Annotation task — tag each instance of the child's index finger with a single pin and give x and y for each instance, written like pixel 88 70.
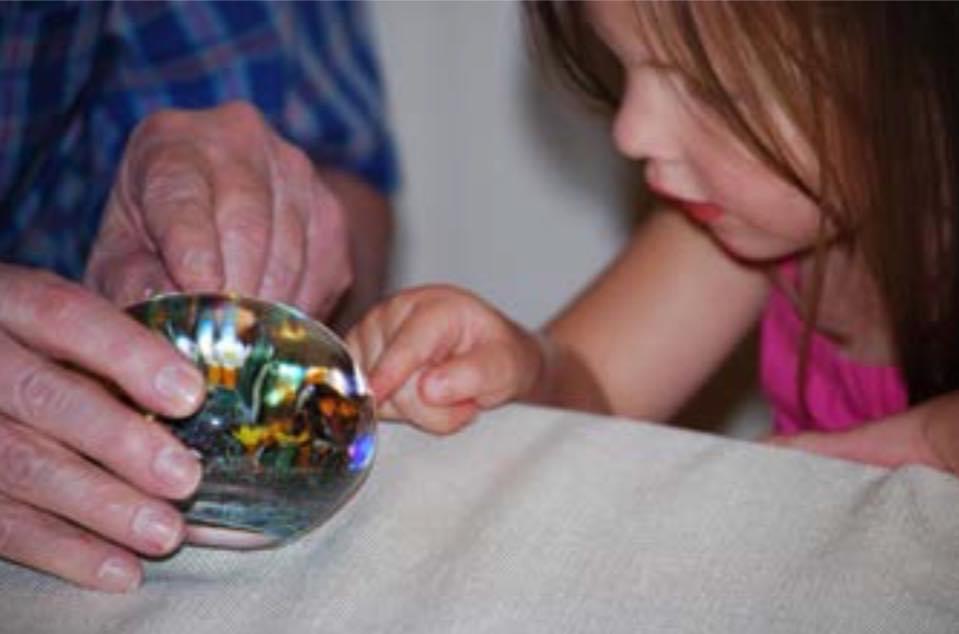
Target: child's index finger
pixel 419 342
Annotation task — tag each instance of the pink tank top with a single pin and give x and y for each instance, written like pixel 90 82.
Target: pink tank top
pixel 840 393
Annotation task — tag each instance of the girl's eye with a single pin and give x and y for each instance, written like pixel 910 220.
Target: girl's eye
pixel 712 97
pixel 684 84
pixel 698 90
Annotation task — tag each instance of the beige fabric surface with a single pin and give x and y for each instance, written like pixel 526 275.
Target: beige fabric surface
pixel 537 520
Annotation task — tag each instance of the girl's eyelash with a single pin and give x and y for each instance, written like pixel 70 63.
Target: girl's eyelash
pixel 690 85
pixel 708 95
pixel 698 90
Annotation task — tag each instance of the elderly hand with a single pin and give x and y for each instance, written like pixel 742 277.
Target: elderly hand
pixel 214 200
pixel 84 478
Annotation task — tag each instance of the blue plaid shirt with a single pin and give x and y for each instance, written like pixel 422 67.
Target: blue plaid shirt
pixel 75 78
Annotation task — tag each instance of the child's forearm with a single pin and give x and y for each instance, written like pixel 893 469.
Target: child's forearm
pixel 926 434
pixel 939 420
pixel 565 380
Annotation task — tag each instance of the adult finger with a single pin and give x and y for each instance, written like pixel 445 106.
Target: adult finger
pixel 131 277
pixel 42 473
pixel 244 218
pixel 79 412
pixel 47 543
pixel 286 259
pixel 70 323
pixel 121 265
pixel 328 272
pixel 291 173
pixel 172 186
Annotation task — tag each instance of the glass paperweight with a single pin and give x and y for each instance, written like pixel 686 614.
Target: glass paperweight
pixel 287 432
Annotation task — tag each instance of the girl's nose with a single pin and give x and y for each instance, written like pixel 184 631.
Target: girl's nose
pixel 646 122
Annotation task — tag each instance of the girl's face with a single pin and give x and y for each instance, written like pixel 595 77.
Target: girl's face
pixel 694 161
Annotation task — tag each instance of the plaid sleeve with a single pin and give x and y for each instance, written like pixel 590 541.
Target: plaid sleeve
pixel 308 66
pixel 76 77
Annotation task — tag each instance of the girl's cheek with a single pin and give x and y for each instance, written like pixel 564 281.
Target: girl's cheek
pixel 728 180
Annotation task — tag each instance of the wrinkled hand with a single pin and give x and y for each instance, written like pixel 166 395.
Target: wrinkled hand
pixel 436 355
pixel 83 477
pixel 214 200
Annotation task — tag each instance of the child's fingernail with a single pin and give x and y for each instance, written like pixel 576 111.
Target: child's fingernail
pixel 438 388
pixel 376 385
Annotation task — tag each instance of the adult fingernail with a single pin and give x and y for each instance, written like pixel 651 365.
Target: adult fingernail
pixel 158 528
pixel 182 385
pixel 118 575
pixel 201 270
pixel 178 467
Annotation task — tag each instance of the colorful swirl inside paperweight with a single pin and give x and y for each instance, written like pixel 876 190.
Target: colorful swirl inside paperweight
pixel 287 432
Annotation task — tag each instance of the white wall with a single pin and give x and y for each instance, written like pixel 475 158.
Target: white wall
pixel 510 188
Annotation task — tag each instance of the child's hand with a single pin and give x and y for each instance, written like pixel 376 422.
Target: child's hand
pixel 436 355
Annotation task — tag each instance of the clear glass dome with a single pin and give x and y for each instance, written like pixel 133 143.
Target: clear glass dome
pixel 287 432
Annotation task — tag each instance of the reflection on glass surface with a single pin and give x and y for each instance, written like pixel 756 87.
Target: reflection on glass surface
pixel 287 432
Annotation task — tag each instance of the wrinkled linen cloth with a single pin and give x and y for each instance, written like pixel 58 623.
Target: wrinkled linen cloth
pixel 539 520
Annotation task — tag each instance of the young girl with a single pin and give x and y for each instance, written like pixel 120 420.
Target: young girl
pixel 807 158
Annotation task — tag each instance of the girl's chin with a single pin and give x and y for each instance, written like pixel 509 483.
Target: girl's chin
pixel 757 251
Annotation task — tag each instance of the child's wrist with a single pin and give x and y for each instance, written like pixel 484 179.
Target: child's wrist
pixel 564 379
pixel 546 353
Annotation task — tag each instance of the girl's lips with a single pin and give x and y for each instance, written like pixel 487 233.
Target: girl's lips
pixel 699 211
pixel 703 212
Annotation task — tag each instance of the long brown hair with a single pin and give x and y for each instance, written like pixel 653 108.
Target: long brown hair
pixel 874 90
